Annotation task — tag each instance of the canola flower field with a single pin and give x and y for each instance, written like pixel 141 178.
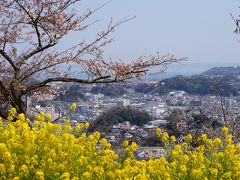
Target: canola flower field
pixel 52 151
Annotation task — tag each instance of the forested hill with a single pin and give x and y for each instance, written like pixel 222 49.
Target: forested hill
pixel 223 71
pixel 198 85
pixel 109 90
pixel 118 115
pixel 222 81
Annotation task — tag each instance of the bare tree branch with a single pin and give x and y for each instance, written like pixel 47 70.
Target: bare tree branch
pixel 64 79
pixel 9 59
pixel 236 21
pixel 38 50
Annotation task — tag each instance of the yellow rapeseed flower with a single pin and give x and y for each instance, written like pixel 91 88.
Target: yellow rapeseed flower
pixel 125 143
pixel 227 175
pixel 86 175
pixel 96 135
pixel 24 170
pixel 49 118
pixel 229 139
pixel 213 172
pixel 158 132
pixel 62 152
pixel 225 130
pixel 173 138
pixel 73 106
pixel 12 112
pixel 196 173
pixel 184 146
pixel 65 176
pixel 204 137
pixel 183 169
pixel 189 138
pixel 134 146
pixel 217 142
pixel 2 168
pixel 39 175
pixel 21 117
pixel 86 125
pixel 165 137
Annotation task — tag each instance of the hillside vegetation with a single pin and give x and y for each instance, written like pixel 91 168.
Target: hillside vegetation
pixel 195 85
pixel 109 90
pixel 119 115
pixel 223 71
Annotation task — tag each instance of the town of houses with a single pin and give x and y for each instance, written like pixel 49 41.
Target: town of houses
pixel 159 107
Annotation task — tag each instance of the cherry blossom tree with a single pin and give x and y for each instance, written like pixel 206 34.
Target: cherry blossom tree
pixel 30 31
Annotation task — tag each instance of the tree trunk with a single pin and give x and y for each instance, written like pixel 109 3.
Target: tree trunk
pixel 17 101
pixel 20 105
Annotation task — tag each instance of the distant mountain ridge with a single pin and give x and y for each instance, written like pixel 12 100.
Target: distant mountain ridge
pixel 223 71
pixel 194 85
pixel 223 81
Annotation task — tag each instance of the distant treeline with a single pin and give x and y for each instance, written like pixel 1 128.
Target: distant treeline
pixel 195 85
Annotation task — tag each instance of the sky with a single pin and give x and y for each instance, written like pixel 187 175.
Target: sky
pixel 201 30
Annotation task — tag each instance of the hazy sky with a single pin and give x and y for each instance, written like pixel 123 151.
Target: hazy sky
pixel 199 29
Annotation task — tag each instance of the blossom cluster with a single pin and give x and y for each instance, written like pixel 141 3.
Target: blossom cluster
pixel 46 150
